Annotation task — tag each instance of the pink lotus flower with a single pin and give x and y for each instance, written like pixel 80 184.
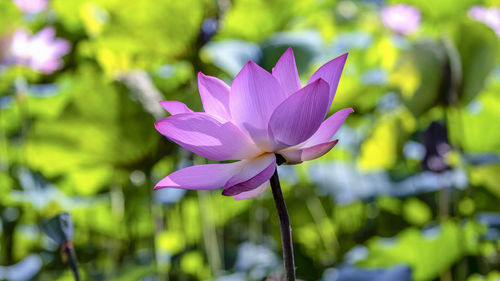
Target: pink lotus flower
pixel 41 52
pixel 31 6
pixel 488 16
pixel 260 115
pixel 403 19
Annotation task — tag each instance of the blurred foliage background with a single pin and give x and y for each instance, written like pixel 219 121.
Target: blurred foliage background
pixel 411 192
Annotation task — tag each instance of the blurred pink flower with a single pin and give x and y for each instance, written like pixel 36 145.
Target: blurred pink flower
pixel 489 16
pixel 260 115
pixel 403 19
pixel 41 52
pixel 31 6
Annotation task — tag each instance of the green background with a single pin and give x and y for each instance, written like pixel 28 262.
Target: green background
pixel 82 140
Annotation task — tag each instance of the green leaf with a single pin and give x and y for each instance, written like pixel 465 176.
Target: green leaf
pixel 256 20
pixel 382 148
pixel 416 212
pixel 476 127
pixel 100 129
pixel 418 76
pixel 487 176
pixel 478 47
pixel 452 241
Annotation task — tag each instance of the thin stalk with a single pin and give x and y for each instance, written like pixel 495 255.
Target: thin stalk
pixel 209 233
pixel 286 230
pixel 70 255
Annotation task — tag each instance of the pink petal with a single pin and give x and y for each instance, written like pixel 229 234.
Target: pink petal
pixel 200 177
pixel 255 94
pixel 292 156
pixel 60 47
pixel 46 67
pixel 299 155
pixel 31 6
pixel 252 193
pixel 175 107
pixel 286 73
pixel 330 72
pixel 300 115
pixel 46 34
pixel 214 96
pixel 328 128
pixel 251 176
pixel 317 151
pixel 206 136
pixel 251 168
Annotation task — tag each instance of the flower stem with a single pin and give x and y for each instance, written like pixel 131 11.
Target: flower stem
pixel 69 251
pixel 286 230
